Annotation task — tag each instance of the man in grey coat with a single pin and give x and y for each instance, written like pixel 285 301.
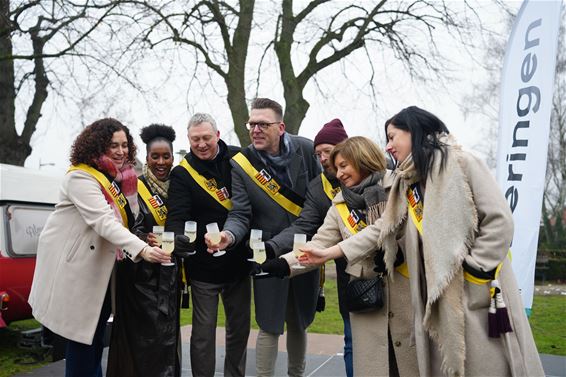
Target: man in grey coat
pixel 320 193
pixel 269 182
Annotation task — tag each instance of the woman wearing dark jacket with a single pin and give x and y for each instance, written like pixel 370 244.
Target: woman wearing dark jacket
pixel 147 316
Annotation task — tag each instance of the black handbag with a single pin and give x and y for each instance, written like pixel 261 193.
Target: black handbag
pixel 365 295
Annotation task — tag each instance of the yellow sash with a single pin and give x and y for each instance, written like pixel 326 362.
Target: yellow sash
pixel 209 185
pixel 415 202
pixel 327 187
pixel 153 203
pixel 110 187
pixel 270 186
pixel 352 221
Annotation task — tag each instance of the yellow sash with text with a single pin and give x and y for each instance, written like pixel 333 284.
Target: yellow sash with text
pixel 221 195
pixel 154 203
pixel 268 184
pixel 330 191
pixel 111 188
pixel 415 203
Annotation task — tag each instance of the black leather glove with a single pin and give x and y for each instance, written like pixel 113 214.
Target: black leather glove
pixel 379 262
pixel 276 267
pixel 321 301
pixel 183 247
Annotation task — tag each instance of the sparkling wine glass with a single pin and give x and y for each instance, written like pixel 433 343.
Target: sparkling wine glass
pixel 191 233
pixel 158 231
pixel 215 237
pixel 299 241
pixel 255 237
pixel 168 245
pixel 260 255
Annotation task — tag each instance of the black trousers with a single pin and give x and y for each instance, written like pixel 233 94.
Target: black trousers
pixel 83 360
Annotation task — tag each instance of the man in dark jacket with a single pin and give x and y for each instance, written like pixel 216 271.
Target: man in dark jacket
pixel 321 191
pixel 269 183
pixel 200 190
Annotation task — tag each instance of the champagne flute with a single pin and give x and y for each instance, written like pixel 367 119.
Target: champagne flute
pixel 260 255
pixel 299 241
pixel 168 245
pixel 255 237
pixel 158 231
pixel 191 233
pixel 215 238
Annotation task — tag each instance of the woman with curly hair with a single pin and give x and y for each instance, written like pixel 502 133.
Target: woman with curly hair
pixel 83 238
pixel 147 295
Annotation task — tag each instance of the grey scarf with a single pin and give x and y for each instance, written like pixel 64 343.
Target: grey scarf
pixel 279 164
pixel 367 195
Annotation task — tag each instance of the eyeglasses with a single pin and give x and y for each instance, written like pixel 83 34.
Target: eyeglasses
pixel 262 125
pixel 322 153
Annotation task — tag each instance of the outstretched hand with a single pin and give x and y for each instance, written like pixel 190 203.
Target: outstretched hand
pixel 213 247
pixel 183 246
pixel 319 256
pixel 155 255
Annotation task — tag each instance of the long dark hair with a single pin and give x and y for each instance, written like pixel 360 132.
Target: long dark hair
pixel 425 128
pixel 95 139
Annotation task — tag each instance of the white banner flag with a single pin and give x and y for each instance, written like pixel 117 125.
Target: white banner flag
pixel 527 83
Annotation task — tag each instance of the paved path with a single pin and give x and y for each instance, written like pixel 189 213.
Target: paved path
pixel 324 358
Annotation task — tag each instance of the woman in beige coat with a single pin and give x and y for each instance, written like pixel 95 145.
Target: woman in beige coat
pixel 83 238
pixel 360 167
pixel 454 229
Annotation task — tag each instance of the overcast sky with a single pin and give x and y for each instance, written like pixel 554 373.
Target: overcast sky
pixel 170 102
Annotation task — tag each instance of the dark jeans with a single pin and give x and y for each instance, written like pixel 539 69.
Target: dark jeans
pixel 348 357
pixel 83 360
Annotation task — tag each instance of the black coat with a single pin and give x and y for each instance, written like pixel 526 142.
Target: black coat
pixel 147 314
pixel 311 218
pixel 188 201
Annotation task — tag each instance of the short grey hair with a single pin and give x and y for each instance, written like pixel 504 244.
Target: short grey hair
pixel 199 118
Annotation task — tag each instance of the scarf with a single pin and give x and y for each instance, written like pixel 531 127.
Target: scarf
pixel 157 186
pixel 449 222
pixel 279 164
pixel 128 180
pixel 367 195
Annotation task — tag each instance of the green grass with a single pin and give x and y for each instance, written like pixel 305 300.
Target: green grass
pixel 547 323
pixel 14 360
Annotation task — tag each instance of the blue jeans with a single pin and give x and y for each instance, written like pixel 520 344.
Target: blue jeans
pixel 348 358
pixel 82 359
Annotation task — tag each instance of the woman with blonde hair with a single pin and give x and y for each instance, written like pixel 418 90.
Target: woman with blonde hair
pixel 447 218
pixel 361 168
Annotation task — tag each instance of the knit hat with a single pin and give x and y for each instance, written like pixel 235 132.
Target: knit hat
pixel 331 133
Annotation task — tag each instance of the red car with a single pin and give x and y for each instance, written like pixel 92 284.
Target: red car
pixel 27 197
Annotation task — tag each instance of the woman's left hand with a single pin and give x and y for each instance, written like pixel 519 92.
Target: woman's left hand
pixel 319 256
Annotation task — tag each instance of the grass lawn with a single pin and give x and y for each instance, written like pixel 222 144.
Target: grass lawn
pixel 547 323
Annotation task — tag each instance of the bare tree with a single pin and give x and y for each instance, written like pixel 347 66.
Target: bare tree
pixel 321 34
pixel 51 30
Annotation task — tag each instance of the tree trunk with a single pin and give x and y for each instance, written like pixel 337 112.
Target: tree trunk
pixel 10 152
pixel 14 148
pixel 296 106
pixel 236 76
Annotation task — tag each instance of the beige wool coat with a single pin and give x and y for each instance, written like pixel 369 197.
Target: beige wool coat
pixel 369 330
pixel 465 218
pixel 75 258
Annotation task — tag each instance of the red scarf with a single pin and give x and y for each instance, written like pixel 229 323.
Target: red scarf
pixel 128 180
